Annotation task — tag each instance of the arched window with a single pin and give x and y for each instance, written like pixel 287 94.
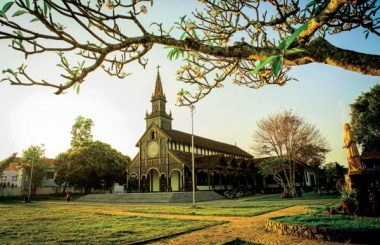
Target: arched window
pixel 153 135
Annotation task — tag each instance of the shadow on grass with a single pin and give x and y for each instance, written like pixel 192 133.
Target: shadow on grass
pixel 305 196
pixel 238 241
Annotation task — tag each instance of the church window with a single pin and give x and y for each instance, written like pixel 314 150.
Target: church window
pixel 187 148
pixel 155 108
pixel 153 135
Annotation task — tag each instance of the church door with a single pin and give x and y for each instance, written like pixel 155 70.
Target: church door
pixel 162 182
pixel 175 180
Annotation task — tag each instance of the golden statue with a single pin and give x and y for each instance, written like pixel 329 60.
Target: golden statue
pixel 352 153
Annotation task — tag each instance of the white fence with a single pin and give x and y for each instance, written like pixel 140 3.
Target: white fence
pixel 20 191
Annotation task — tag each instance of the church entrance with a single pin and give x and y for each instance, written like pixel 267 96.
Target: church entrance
pixel 175 180
pixel 154 180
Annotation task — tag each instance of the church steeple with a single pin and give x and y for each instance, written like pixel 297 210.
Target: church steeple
pixel 158 91
pixel 158 114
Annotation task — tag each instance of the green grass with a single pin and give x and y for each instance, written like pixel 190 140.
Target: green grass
pixel 247 211
pixel 60 223
pixel 333 221
pixel 305 196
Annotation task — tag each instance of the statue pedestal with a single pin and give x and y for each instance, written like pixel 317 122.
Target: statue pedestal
pixel 368 195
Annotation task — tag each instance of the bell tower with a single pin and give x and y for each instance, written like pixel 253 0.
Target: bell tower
pixel 158 115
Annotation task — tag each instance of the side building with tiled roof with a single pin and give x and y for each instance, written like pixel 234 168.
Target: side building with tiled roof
pixel 164 160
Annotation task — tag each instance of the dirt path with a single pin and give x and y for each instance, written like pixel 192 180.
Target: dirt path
pixel 248 229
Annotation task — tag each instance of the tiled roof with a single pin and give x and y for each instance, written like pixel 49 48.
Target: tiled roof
pixel 207 143
pixel 202 161
pixel 49 161
pixel 370 154
pixel 210 162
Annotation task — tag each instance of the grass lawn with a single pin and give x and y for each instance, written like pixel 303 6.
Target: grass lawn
pixel 307 196
pixel 314 216
pixel 59 223
pixel 232 210
pixel 334 221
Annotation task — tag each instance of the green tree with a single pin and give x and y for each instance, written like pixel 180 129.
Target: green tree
pixel 81 132
pixel 331 174
pixel 365 118
pixel 61 169
pixel 6 162
pixel 222 38
pixel 96 165
pixel 34 157
pixel 286 139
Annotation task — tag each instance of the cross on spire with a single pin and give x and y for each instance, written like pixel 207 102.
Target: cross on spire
pixel 158 68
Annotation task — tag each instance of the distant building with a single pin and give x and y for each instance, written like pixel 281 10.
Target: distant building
pixel 10 176
pixel 371 163
pixel 13 175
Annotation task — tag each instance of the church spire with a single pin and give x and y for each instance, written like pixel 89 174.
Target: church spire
pixel 158 91
pixel 158 115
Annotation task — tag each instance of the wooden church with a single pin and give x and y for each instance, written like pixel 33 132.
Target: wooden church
pixel 164 160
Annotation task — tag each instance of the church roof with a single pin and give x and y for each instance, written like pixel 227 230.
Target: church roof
pixel 158 93
pixel 370 154
pixel 202 161
pixel 207 143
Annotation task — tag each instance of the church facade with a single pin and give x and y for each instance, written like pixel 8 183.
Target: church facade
pixel 164 160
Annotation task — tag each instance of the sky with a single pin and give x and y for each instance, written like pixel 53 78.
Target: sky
pixel 35 115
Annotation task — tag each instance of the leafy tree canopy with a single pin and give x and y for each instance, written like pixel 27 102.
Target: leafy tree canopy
pixel 331 175
pixel 365 118
pixel 96 165
pixel 287 139
pixel 222 38
pixel 81 132
pixel 6 162
pixel 34 158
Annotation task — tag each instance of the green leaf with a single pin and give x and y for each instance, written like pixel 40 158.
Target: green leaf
pixel 78 89
pixel 170 54
pixel 153 23
pixel 183 18
pixel 311 4
pixel 28 3
pixel 295 35
pixel 19 12
pixel 277 65
pixel 45 8
pixel 296 51
pixel 183 36
pixel 35 19
pixel 7 6
pixel 264 63
pixel 3 79
pixel 170 29
pixel 3 15
pixel 282 44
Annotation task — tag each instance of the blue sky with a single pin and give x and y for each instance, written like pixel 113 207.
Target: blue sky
pixel 34 115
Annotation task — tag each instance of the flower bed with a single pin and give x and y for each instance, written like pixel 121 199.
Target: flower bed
pixel 324 233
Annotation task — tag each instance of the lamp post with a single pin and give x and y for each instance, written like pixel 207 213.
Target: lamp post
pixel 192 108
pixel 31 176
